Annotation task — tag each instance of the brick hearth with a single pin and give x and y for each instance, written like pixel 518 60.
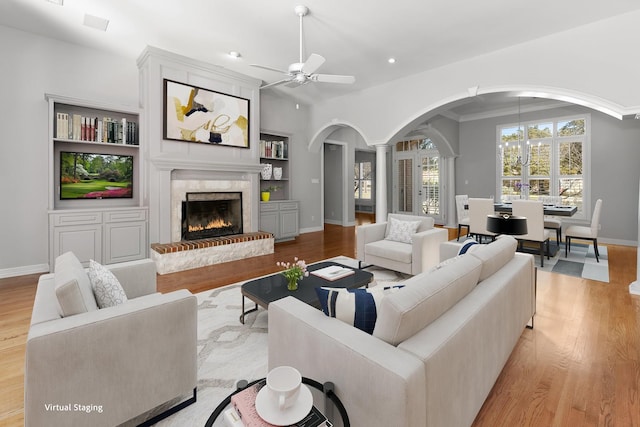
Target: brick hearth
pixel 184 255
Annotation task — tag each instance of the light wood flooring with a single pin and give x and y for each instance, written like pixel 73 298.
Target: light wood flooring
pixel 579 366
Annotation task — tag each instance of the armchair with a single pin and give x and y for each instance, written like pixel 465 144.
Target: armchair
pixel 103 367
pixel 419 249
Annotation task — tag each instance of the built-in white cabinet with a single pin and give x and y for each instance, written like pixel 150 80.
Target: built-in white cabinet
pixel 280 218
pixel 95 165
pixel 106 236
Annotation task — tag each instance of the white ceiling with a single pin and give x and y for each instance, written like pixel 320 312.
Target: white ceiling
pixel 355 36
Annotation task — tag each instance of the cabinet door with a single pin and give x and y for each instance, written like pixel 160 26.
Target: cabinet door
pixel 125 241
pixel 269 223
pixel 85 241
pixel 288 223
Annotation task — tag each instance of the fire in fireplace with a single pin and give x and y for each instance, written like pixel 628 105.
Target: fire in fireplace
pixel 211 214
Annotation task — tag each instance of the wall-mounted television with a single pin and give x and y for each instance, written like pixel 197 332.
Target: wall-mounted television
pixel 95 176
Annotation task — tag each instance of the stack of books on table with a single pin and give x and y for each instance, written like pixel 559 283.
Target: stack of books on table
pixel 242 412
pixel 333 272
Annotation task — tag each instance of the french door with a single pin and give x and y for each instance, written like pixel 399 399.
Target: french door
pixel 418 183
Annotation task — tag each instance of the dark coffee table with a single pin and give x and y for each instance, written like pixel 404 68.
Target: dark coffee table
pixel 267 289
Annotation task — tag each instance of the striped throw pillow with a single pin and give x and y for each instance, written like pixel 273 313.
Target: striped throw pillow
pixel 357 307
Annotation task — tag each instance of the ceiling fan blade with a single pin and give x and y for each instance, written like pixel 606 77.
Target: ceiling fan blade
pixel 269 68
pixel 333 78
pixel 295 83
pixel 279 82
pixel 313 63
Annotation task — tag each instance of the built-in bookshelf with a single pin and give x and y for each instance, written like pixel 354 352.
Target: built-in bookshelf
pixel 95 164
pixel 274 151
pixel 92 128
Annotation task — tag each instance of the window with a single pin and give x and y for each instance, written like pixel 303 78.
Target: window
pixel 546 165
pixel 363 184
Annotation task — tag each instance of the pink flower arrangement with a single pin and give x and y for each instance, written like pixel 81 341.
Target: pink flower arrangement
pixel 293 272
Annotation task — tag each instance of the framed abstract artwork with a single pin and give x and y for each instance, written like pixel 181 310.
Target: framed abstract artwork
pixel 194 114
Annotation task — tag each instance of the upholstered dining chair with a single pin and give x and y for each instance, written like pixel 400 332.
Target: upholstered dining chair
pixel 533 210
pixel 585 233
pixel 462 200
pixel 552 222
pixel 479 209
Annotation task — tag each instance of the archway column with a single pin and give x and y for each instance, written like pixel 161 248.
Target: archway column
pixel 452 211
pixel 381 182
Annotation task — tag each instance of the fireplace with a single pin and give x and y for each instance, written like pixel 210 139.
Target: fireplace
pixel 211 214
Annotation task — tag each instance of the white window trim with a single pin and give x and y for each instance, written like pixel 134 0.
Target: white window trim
pixel 584 214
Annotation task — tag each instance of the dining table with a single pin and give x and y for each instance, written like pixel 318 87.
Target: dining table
pixel 549 209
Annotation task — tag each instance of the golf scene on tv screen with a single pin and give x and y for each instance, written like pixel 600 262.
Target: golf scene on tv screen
pixel 95 176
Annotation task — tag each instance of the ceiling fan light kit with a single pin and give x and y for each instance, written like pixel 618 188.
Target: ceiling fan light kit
pixel 302 72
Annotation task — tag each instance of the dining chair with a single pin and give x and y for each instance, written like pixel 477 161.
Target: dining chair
pixel 479 209
pixel 585 233
pixel 553 222
pixel 533 210
pixel 462 202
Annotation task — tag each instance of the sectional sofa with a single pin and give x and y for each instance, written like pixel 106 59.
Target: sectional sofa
pixel 438 344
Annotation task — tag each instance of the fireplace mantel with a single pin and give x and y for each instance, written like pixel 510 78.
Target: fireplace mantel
pixel 166 163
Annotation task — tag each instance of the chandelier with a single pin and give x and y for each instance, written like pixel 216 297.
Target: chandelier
pixel 522 156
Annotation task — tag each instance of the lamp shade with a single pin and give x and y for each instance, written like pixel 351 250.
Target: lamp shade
pixel 507 224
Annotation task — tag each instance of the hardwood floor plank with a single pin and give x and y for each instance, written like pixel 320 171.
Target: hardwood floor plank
pixel 579 366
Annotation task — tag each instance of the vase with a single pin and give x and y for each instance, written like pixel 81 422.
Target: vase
pixel 266 170
pixel 277 173
pixel 265 196
pixel 292 284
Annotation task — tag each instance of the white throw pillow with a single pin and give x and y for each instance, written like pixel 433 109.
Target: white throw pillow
pixel 401 231
pixel 106 287
pixel 357 307
pixel 72 286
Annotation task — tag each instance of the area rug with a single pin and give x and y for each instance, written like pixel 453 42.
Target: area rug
pixel 229 351
pixel 580 262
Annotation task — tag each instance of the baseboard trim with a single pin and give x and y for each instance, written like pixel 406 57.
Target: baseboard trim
pixel 311 230
pixel 23 271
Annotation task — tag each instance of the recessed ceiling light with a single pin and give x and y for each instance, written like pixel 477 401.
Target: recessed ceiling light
pixel 391 60
pixel 95 22
pixel 58 2
pixel 234 54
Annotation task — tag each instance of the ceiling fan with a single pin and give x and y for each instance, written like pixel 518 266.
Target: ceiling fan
pixel 300 73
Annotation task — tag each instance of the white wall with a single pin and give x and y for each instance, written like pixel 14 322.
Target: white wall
pixel 30 67
pixel 595 62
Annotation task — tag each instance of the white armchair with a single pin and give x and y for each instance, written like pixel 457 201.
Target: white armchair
pixel 103 367
pixel 411 250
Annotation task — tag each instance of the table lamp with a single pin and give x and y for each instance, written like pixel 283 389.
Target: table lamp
pixel 507 224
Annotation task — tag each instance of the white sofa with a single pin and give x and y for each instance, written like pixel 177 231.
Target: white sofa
pixel 103 367
pixel 438 345
pixel 375 246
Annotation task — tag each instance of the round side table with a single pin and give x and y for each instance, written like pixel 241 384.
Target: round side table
pixel 327 390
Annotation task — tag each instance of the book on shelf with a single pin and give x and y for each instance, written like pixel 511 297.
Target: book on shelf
pixel 76 127
pixel 244 403
pixel 273 149
pixel 333 272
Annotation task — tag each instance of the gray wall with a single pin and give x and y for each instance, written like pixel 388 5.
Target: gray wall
pixel 32 66
pixel 615 158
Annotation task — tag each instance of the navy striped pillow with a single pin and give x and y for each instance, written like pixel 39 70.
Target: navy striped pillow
pixel 466 245
pixel 357 307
